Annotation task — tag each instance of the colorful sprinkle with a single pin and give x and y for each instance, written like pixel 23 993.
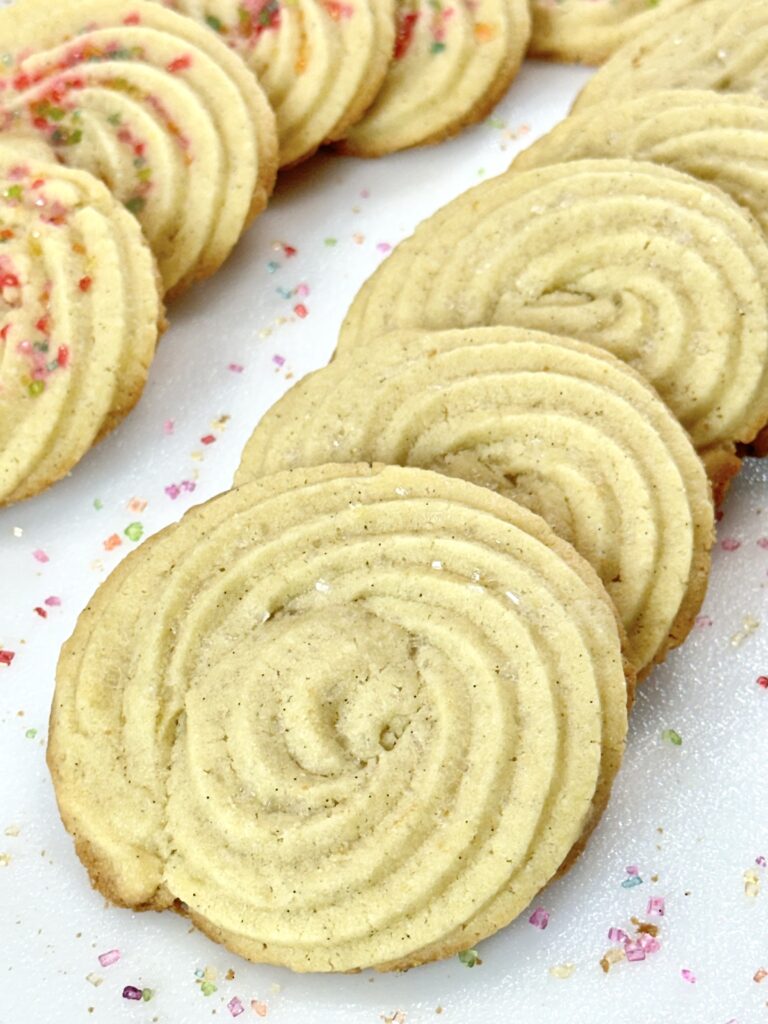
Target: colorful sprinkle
pixel 40 556
pixel 6 657
pixel 109 958
pixel 235 1007
pixel 655 906
pixel 470 958
pixel 131 992
pixel 134 531
pixel 539 918
pixel 688 976
pixel 673 737
pixel 259 1008
pixel 112 542
pixel 52 601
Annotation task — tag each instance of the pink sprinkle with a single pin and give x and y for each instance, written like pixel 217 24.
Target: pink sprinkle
pixel 762 542
pixel 302 290
pixel 634 952
pixel 236 367
pixel 617 935
pixel 730 544
pixel 365 194
pixel 278 360
pixel 40 555
pixel 259 1008
pixel 688 976
pixel 109 958
pixel 52 602
pixel 172 491
pixel 649 943
pixel 131 992
pixel 169 426
pixel 633 869
pixel 539 918
pixel 383 246
pixel 656 906
pixel 703 620
pixel 760 861
pixel 235 1007
pixel 301 310
pixel 6 657
pixel 188 485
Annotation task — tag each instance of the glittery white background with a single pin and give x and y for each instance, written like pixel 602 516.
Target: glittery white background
pixel 692 819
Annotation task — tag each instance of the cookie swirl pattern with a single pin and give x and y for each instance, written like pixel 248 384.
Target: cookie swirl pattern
pixel 372 711
pixel 320 62
pixel 154 105
pixel 79 318
pixel 665 272
pixel 560 427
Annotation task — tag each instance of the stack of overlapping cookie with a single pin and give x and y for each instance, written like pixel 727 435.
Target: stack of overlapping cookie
pixel 186 115
pixel 381 691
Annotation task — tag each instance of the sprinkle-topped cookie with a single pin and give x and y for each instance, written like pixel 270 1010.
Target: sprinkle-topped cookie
pixel 372 712
pixel 79 318
pixel 453 62
pixel 320 62
pixel 589 31
pixel 156 107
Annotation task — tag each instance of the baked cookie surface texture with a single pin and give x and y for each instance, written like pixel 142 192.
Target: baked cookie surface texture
pixel 588 31
pixel 156 107
pixel 320 62
pixel 452 63
pixel 713 44
pixel 666 272
pixel 560 427
pixel 364 718
pixel 80 314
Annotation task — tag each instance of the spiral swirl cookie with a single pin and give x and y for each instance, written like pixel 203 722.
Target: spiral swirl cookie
pixel 722 139
pixel 320 62
pixel 589 31
pixel 665 272
pixel 154 105
pixel 713 44
pixel 563 428
pixel 79 318
pixel 452 63
pixel 370 712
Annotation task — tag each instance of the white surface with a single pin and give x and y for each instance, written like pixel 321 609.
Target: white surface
pixel 709 796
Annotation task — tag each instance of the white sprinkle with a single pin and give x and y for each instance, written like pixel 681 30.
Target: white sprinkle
pixel 401 491
pixel 476 576
pixel 94 979
pixel 262 617
pixel 437 564
pixel 322 586
pixel 512 597
pixel 18 532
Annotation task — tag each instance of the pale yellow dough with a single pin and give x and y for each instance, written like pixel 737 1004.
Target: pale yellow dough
pixel 320 62
pixel 589 31
pixel 664 271
pixel 453 62
pixel 713 44
pixel 563 428
pixel 154 105
pixel 80 313
pixel 347 716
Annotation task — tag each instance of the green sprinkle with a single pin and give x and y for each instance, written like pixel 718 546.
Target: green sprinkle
pixel 136 204
pixel 437 47
pixel 36 387
pixel 14 192
pixel 146 994
pixel 470 958
pixel 31 733
pixel 115 119
pixel 134 531
pixel 144 174
pixel 214 22
pixel 330 242
pixel 98 504
pixel 631 882
pixel 207 988
pixel 670 736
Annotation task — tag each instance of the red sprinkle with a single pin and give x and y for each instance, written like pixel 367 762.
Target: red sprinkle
pixel 42 325
pixel 208 439
pixel 9 281
pixel 84 284
pixel 132 19
pixel 41 612
pixel 289 250
pixel 404 35
pixel 301 310
pixel 4 332
pixel 730 544
pixel 762 682
pixel 62 357
pixel 180 64
pixel 6 657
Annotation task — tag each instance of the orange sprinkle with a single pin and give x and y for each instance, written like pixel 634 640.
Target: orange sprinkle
pixel 484 32
pixel 112 542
